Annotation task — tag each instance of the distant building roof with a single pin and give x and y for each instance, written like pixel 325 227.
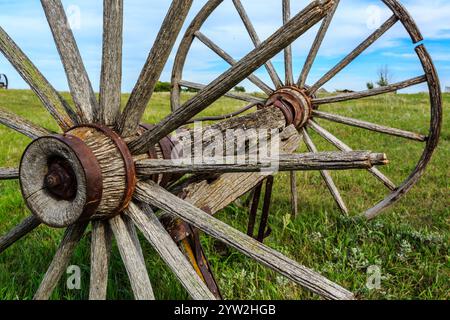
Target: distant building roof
pixel 447 89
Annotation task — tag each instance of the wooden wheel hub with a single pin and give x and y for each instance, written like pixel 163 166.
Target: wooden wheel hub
pixel 86 173
pixel 294 103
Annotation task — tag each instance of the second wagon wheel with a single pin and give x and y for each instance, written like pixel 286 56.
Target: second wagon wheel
pixel 284 92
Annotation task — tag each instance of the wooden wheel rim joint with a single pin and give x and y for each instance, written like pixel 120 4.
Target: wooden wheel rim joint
pixel 78 168
pixel 294 103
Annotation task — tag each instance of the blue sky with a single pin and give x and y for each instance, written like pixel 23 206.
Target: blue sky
pixel 355 19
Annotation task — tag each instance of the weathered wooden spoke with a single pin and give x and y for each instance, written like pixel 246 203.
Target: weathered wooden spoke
pixel 18 232
pixel 21 125
pixel 111 75
pixel 256 41
pixel 289 74
pixel 316 46
pixel 342 146
pixel 51 99
pixel 100 255
pixel 240 96
pixel 9 173
pixel 79 83
pixel 354 54
pixel 295 162
pixel 157 196
pixel 143 216
pixel 326 175
pixel 370 93
pixel 132 257
pixel 370 126
pixel 225 56
pixel 284 36
pixel 61 260
pixel 150 74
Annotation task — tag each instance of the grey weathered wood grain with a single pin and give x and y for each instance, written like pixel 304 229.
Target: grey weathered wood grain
pixel 284 162
pixel 256 41
pixel 326 176
pixel 316 46
pixel 150 74
pixel 237 96
pixel 9 173
pixel 289 74
pixel 111 74
pixel 144 218
pixel 370 93
pixel 155 195
pixel 58 108
pixel 369 126
pixel 18 232
pixel 434 88
pixel 354 54
pixel 79 83
pixel 21 125
pixel 217 193
pixel 224 83
pixel 132 258
pixel 225 56
pixel 100 256
pixel 60 261
pixel 342 146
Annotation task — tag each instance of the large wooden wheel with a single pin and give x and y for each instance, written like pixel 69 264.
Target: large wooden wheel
pixel 100 170
pixel 283 89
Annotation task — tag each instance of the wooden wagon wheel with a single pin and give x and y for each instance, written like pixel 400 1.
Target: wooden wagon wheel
pixel 97 171
pixel 284 90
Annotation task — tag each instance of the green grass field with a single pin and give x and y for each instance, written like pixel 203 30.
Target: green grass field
pixel 409 242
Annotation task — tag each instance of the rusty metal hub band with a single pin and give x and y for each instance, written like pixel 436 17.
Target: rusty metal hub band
pixel 294 103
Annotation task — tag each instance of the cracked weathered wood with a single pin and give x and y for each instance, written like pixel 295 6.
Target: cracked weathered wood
pixel 21 125
pixel 316 46
pixel 131 117
pixel 284 36
pixel 237 96
pixel 256 41
pixel 294 193
pixel 225 56
pixel 370 126
pixel 111 74
pixel 144 218
pixel 370 93
pixel 284 162
pixel 100 256
pixel 18 232
pixel 215 193
pixel 60 261
pixel 343 147
pixel 58 108
pixel 9 173
pixel 399 10
pixel 354 54
pixel 132 258
pixel 159 197
pixel 326 175
pixel 79 83
pixel 289 74
pixel 434 88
